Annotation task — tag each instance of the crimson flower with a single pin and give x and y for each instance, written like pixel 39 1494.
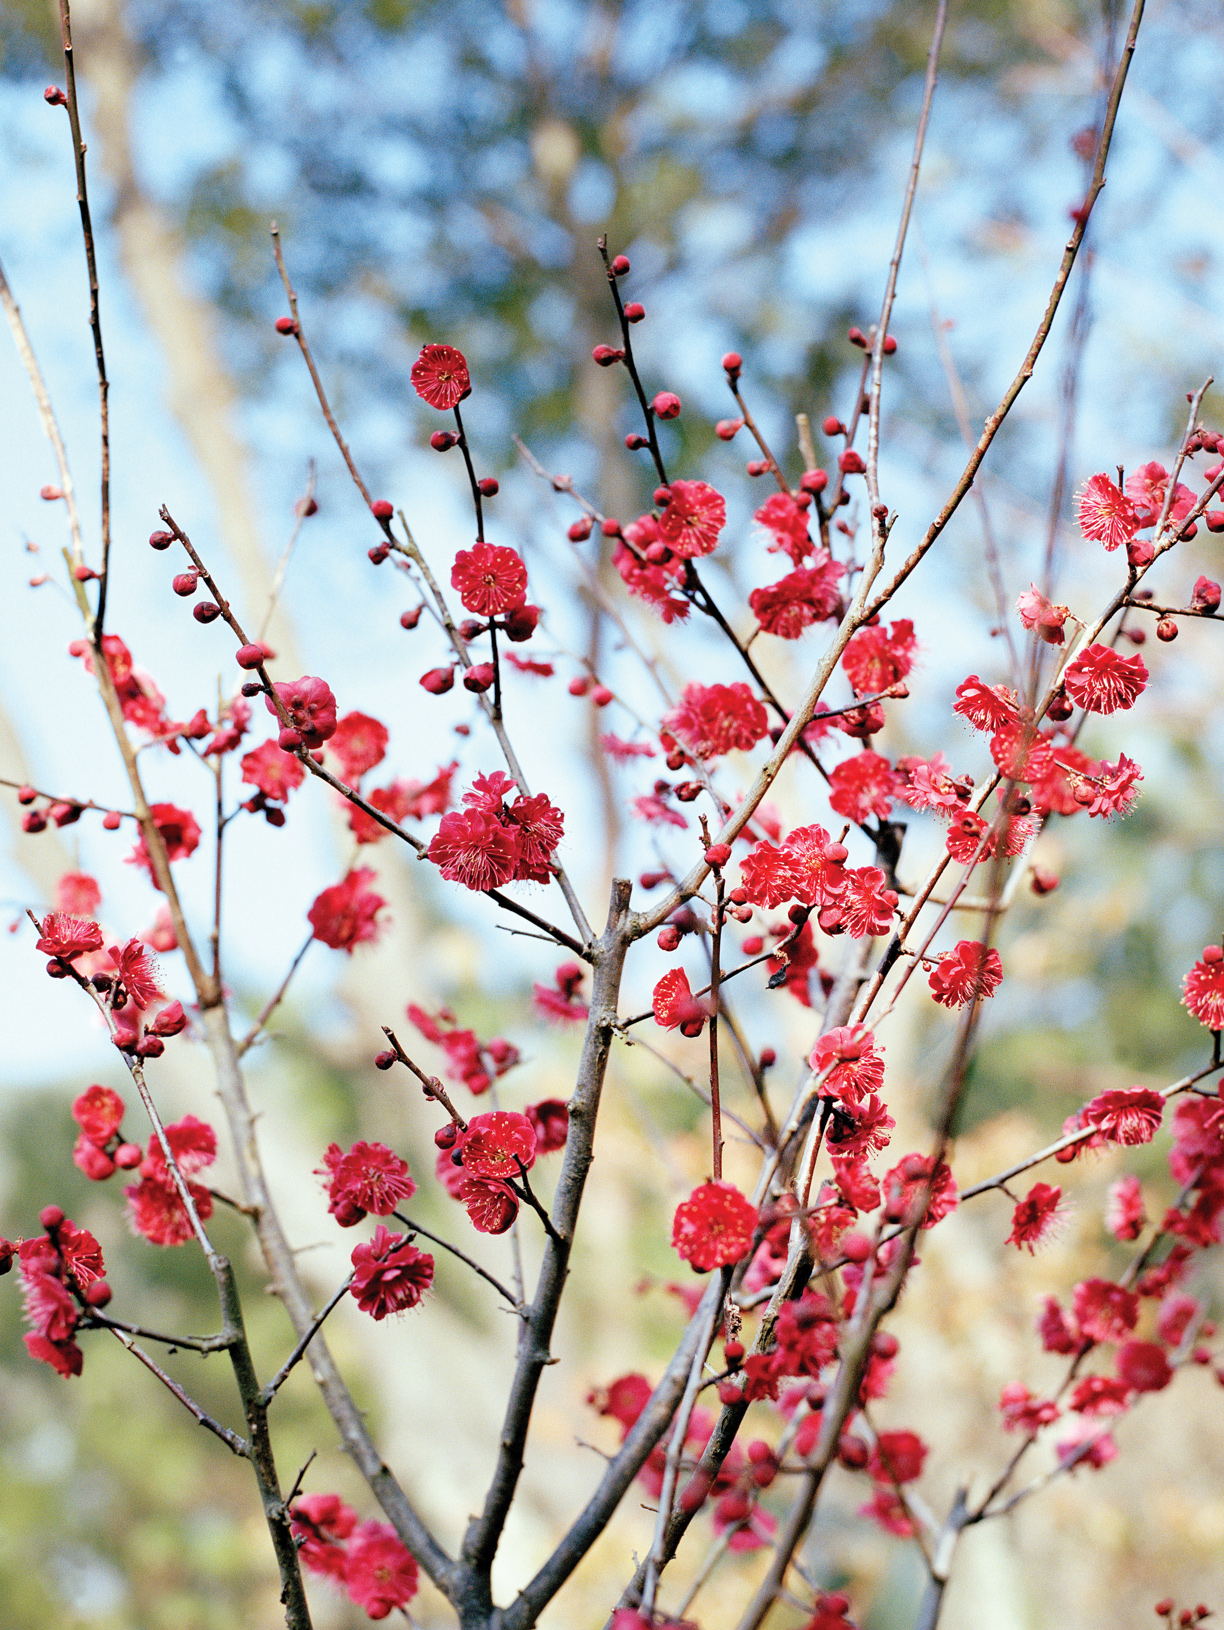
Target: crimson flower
pixel 370 1177
pixel 380 1572
pixel 1040 614
pixel 389 1274
pixel 67 937
pixel 496 1145
pixel 473 848
pixel 1105 1311
pixel 359 742
pixel 1143 1366
pixel 767 877
pixel 652 584
pixel 78 894
pixel 550 1122
pixel 986 707
pixel 137 971
pixel 560 1001
pixel 713 1228
pixel 1036 1218
pixel 1114 788
pixel 863 785
pixel 538 826
pixel 787 521
pixel 714 719
pixel 345 914
pixel 912 1179
pixel 875 659
pixel 858 1068
pixel 1021 752
pixel 1022 1412
pixel 1148 486
pixel 885 1508
pixel 1102 681
pixel 320 1522
pixel 490 579
pixel 1056 1329
pixel 803 597
pixel 866 903
pixel 1126 1117
pixel 861 1128
pixel 309 706
pixel 491 1205
pixel 816 867
pixel 968 971
pixel 98 1111
pixel 156 1210
pixel 1100 1395
pixel 694 516
pixel 675 1005
pixel 1124 1212
pixel 897 1457
pixel 1203 988
pixel 1106 514
pixel 440 376
pixel 275 773
pixel 928 785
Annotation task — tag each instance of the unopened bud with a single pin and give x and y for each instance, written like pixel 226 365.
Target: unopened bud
pixel 813 481
pixel 580 530
pixel 488 486
pixel 732 363
pixel 635 442
pixel 601 696
pixel 606 355
pixel 1166 629
pixel 634 312
pixel 1043 882
pixel 857 337
pixel 384 1060
pixel 206 611
pixel 757 466
pixel 728 429
pixel 668 938
pixel 438 680
pixel 718 854
pixel 579 685
pixel 666 405
pixel 185 583
pixel 160 540
pixel 1206 596
pixel 850 462
pixel 620 265
pixel 443 440
pixel 98 1294
pixel 112 820
pixel 479 677
pixel 286 326
pixel 288 741
pixel 890 345
pixel 382 509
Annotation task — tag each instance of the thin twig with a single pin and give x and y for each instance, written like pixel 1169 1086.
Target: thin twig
pixel 278 1380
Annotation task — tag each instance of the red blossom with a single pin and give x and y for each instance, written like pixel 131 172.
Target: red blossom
pixel 910 1184
pixel 928 786
pixel 1100 1395
pixel 389 1274
pixel 67 937
pixel 309 706
pixel 491 1205
pixel 380 1572
pixel 1124 1213
pixel 275 773
pixel 498 1145
pixel 625 751
pixel 1106 514
pixel 98 1112
pixel 674 1004
pixel 156 1210
pixel 1102 681
pixel 875 659
pixel 715 719
pixel 897 1457
pixel 1148 487
pixel 787 521
pixel 863 785
pixel 987 707
pixel 1114 787
pixel 653 584
pixel 1021 752
pixel 538 826
pixel 1035 1218
pixel 550 1123
pixel 816 867
pixel 1022 1412
pixel 1105 1311
pixel 867 904
pixel 1176 1312
pixel 860 1128
pixel 560 1002
pixel 1126 1117
pixel 694 516
pixel 319 1522
pixel 78 894
pixel 858 1068
pixel 1142 1365
pixel 767 876
pixel 474 849
pixel 885 1508
pixel 137 970
pixel 1036 612
pixel 1056 1329
pixel 359 742
pixel 440 376
pixel 713 1228
pixel 968 971
pixel 231 728
pixel 1203 989
pixel 490 578
pixel 370 1177
pixel 803 597
pixel 346 914
pixel 140 701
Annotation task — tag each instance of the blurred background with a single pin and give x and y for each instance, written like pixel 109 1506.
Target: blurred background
pixel 441 173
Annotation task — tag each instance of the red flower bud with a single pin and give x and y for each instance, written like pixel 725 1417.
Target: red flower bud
pixel 620 265
pixel 579 685
pixel 445 1136
pixel 378 554
pixel 382 509
pixel 479 677
pixel 601 696
pixel 98 1294
pixel 634 312
pixel 1215 520
pixel 611 528
pixel 1043 882
pixel 305 507
pixel 1166 629
pixel 661 497
pixel 286 325
pixel 55 97
pixel 521 623
pixel 409 619
pixel 768 1057
pixel 1206 596
pixel 288 741
pixel 249 656
pixel 185 583
pixel 890 345
pixel 833 426
pixel 112 820
pixel 34 821
pixel 732 363
pixel 606 355
pixel 666 405
pixel 438 680
pixel 718 854
pixel 160 540
pixel 852 1451
pixel 206 611
pixel 1140 552
pixel 50 1217
pixel 813 481
pixel 580 530
pixel 850 462
pixel 488 486
pixel 857 337
pixel 757 466
pixel 856 1247
pixel 443 440
pixel 668 938
pixel 728 429
pixel 635 442
pixel 26 795
pixel 128 1156
pixel 384 1060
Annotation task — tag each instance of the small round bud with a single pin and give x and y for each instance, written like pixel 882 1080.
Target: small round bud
pixel 443 440
pixel 856 1247
pixel 850 462
pixel 251 687
pixel 728 429
pixel 149 1047
pixel 753 946
pixel 34 821
pixel 249 656
pixel 757 466
pixel 438 680
pixel 1140 552
pixel 445 1136
pixel 128 1156
pixel 274 815
pixel 580 531
pixel 112 820
pixel 1137 636
pixel 798 914
pixel 833 426
pixel 813 481
pixel 611 528
pixel 687 791
pixel 668 938
pixel 50 494
pixel 601 696
pixel 470 627
pixel 50 1217
pixel 378 554
pixel 579 685
pixel 26 795
pixel 479 677
pixel 1215 520
pixel 732 363
pixel 185 583
pixel 65 814
pixel 884 1344
pixel 768 1056
pixel 55 97
pixel 857 337
pixel 384 1060
pixel 661 497
pixel 718 854
pixel 657 553
pixel 1164 1605
pixel 306 507
pixel 409 619
pixel 889 347
pixel 1043 882
pixel 382 509
pixel 84 574
pixel 677 759
pixel 288 741
pixel 488 486
pixel 634 312
pixel 206 612
pixel 635 442
pixel 286 326
pixel 733 1354
pixel 852 1451
pixel 1206 596
pixel 1061 707
pixel 160 540
pixel 57 969
pixel 98 1294
pixel 521 623
pixel 606 355
pixel 666 405
pixel 620 265
pixel 1166 629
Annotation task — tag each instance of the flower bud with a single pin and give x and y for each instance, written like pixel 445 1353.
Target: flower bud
pixel 728 429
pixel 757 466
pixel 305 507
pixel 128 1156
pixel 206 612
pixel 249 656
pixel 857 337
pixel 26 795
pixel 98 1294
pixel 438 680
pixel 160 540
pixel 1043 882
pixel 634 312
pixel 832 426
pixel 1206 596
pixel 1061 707
pixel 606 355
pixel 687 791
pixel 488 486
pixel 732 363
pixel 601 696
pixel 55 97
pixel 1140 552
pixel 112 820
pixel 620 265
pixel 1215 520
pixel 445 1136
pixel 1137 636
pixel 443 440
pixel 1166 629
pixel 635 442
pixel 288 741
pixel 668 937
pixel 579 685
pixel 409 619
pixel 470 628
pixel 890 345
pixel 850 462
pixel 378 554
pixel 666 405
pixel 813 481
pixel 149 1047
pixel 65 814
pixel 521 623
pixel 251 687
pixel 34 821
pixel 733 1354
pixel 185 583
pixel 856 1247
pixel 479 677
pixel 611 527
pixel 852 1451
pixel 384 1060
pixel 677 760
pixel 580 530
pixel 382 510
pixel 50 1217
pixel 718 854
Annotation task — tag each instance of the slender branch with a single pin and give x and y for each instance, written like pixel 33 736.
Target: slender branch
pixel 463 1257
pixel 219 1343
pixel 268 1392
pixel 231 1440
pixel 274 1001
